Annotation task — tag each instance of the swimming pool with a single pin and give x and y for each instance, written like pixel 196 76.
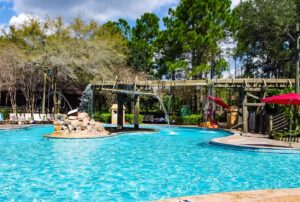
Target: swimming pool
pixel 134 167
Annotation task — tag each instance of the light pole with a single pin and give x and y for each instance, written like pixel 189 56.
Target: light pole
pixel 286 46
pixel 297 60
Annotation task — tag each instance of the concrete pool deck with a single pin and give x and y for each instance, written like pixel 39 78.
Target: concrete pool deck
pixel 271 195
pixel 254 141
pixel 14 126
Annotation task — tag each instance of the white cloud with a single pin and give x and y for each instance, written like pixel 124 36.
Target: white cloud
pixel 234 3
pixel 21 19
pixel 101 10
pixel 2 29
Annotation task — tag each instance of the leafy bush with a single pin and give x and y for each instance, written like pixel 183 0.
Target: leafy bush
pixel 285 133
pixel 104 118
pixel 5 113
pixel 130 118
pixel 193 119
pixel 176 120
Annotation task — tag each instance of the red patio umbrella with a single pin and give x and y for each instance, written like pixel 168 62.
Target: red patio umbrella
pixel 285 99
pixel 218 101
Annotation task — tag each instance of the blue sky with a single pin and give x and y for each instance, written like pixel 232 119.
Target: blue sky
pixel 100 10
pixel 17 11
pixel 6 12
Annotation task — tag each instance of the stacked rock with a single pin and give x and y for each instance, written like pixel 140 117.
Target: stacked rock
pixel 79 123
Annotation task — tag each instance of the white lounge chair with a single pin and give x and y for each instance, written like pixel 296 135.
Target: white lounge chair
pixel 21 118
pixel 45 118
pixel 28 118
pixel 37 118
pixel 13 118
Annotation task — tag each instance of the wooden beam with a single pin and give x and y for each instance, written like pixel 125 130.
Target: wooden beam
pixel 127 92
pixel 254 104
pixel 251 95
pixel 249 83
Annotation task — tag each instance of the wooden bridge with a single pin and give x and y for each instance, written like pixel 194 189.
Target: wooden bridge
pixel 248 86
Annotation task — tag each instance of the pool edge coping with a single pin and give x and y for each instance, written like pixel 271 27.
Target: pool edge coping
pixel 266 195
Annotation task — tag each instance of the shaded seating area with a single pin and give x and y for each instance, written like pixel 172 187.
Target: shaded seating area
pixel 148 119
pixel 153 119
pixel 27 118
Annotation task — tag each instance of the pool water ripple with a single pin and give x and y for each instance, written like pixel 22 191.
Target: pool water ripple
pixel 133 167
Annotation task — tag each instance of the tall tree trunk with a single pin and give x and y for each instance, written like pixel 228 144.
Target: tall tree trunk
pixel 54 96
pixel 13 99
pixel 32 104
pixel 44 92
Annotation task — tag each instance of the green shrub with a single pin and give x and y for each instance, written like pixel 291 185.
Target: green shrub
pixel 130 118
pixel 5 113
pixel 193 119
pixel 176 120
pixel 104 118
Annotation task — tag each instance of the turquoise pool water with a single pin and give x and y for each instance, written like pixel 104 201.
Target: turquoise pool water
pixel 134 167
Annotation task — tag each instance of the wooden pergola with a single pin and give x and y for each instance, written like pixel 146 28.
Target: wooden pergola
pixel 248 87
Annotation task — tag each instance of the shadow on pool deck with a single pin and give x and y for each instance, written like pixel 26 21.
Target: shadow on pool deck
pixel 254 141
pixel 268 145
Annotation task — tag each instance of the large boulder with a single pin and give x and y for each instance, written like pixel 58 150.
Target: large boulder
pixel 70 127
pixel 85 123
pixel 57 123
pixel 89 128
pixel 75 123
pixel 80 123
pixel 92 122
pixel 67 122
pixel 99 127
pixel 82 115
pixel 72 118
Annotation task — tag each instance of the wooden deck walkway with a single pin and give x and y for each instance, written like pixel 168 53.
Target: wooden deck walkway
pixel 249 84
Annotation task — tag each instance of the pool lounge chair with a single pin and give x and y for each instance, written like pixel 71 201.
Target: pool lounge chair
pixel 13 118
pixel 28 118
pixel 46 118
pixel 160 120
pixel 37 119
pixel 21 118
pixel 148 119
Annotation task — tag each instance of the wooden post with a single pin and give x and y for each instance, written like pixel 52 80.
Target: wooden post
pixel 120 121
pixel 245 114
pixel 270 124
pixel 136 111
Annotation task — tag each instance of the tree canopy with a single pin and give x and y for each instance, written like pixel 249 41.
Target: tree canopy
pixel 193 32
pixel 262 28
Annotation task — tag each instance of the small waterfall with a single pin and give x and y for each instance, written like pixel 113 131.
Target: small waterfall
pixel 164 109
pixel 86 99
